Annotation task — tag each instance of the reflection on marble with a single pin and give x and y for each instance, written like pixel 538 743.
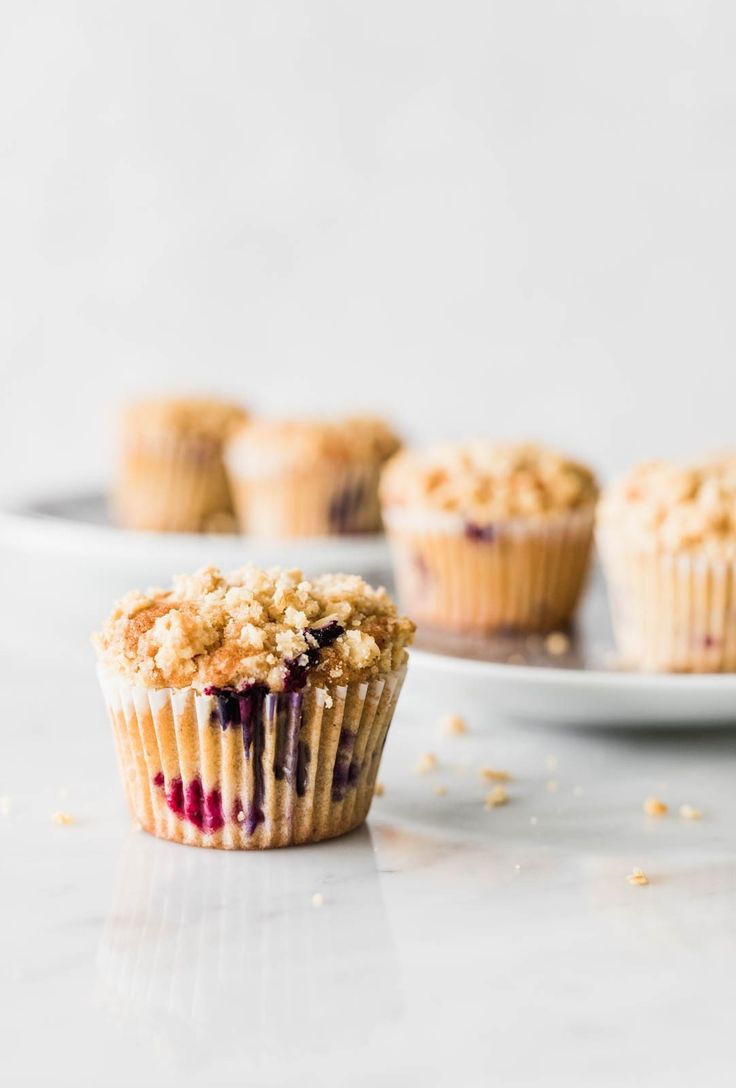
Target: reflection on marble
pixel 229 949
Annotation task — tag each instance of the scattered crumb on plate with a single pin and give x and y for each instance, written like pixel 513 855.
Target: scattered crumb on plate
pixel 497 796
pixel 637 877
pixel 427 763
pixel 654 807
pixel 489 774
pixel 62 819
pixel 690 812
pixel 557 643
pixel 454 725
pixel 318 899
pixel 441 791
pixel 379 789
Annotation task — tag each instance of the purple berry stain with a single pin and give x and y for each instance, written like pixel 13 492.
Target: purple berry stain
pixel 481 534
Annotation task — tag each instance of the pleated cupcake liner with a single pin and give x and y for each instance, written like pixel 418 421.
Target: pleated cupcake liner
pixel 172 484
pixel 519 575
pixel 671 612
pixel 252 770
pixel 324 502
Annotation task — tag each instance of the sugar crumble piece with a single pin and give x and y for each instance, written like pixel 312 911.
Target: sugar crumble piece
pixel 690 812
pixel 552 786
pixel 62 819
pixel 441 791
pixel 4 806
pixel 497 796
pixel 654 807
pixel 489 774
pixel 318 899
pixel 241 817
pixel 557 643
pixel 379 789
pixel 637 877
pixel 552 763
pixel 453 725
pixel 427 763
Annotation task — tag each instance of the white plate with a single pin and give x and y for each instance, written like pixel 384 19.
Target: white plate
pixel 581 687
pixel 79 525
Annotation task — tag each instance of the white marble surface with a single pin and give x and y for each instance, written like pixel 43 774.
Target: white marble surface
pixel 454 944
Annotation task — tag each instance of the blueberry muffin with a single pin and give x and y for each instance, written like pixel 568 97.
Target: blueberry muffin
pixel 487 537
pixel 295 478
pixel 667 538
pixel 171 473
pixel 250 710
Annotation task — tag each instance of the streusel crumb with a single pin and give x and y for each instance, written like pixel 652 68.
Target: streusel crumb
pixel 271 627
pixel 669 507
pixel 266 446
pixel 654 807
pixel 427 763
pixel 496 797
pixel 486 481
pixel 637 877
pixel 62 819
pixel 490 774
pixel 453 725
pixel 690 812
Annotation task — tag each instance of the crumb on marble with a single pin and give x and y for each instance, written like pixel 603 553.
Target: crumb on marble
pixel 557 643
pixel 318 899
pixel 495 797
pixel 427 763
pixel 62 819
pixel 489 774
pixel 454 725
pixel 654 807
pixel 690 812
pixel 379 789
pixel 637 877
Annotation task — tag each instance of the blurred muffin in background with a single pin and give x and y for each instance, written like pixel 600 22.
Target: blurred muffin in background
pixel 250 710
pixel 488 537
pixel 309 477
pixel 171 473
pixel 667 538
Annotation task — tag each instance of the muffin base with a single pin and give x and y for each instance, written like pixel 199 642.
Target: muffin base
pixel 173 485
pixel 514 576
pixel 324 502
pixel 293 769
pixel 671 613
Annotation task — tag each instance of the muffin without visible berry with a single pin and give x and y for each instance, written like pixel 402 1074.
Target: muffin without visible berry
pixel 308 477
pixel 171 474
pixel 250 710
pixel 489 538
pixel 667 538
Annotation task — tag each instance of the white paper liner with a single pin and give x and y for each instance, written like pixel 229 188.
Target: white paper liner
pixel 299 771
pixel 328 500
pixel 170 483
pixel 671 612
pixel 521 575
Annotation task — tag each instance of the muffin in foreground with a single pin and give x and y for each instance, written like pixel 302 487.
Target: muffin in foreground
pixel 667 538
pixel 489 538
pixel 250 710
pixel 295 478
pixel 171 475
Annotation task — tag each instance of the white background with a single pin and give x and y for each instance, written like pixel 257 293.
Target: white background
pixel 510 218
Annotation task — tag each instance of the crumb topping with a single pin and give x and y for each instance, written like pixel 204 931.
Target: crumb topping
pixel 497 796
pixel 654 807
pixel 485 481
pixel 669 507
pixel 263 444
pixel 637 877
pixel 188 417
pixel 271 627
pixel 454 725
